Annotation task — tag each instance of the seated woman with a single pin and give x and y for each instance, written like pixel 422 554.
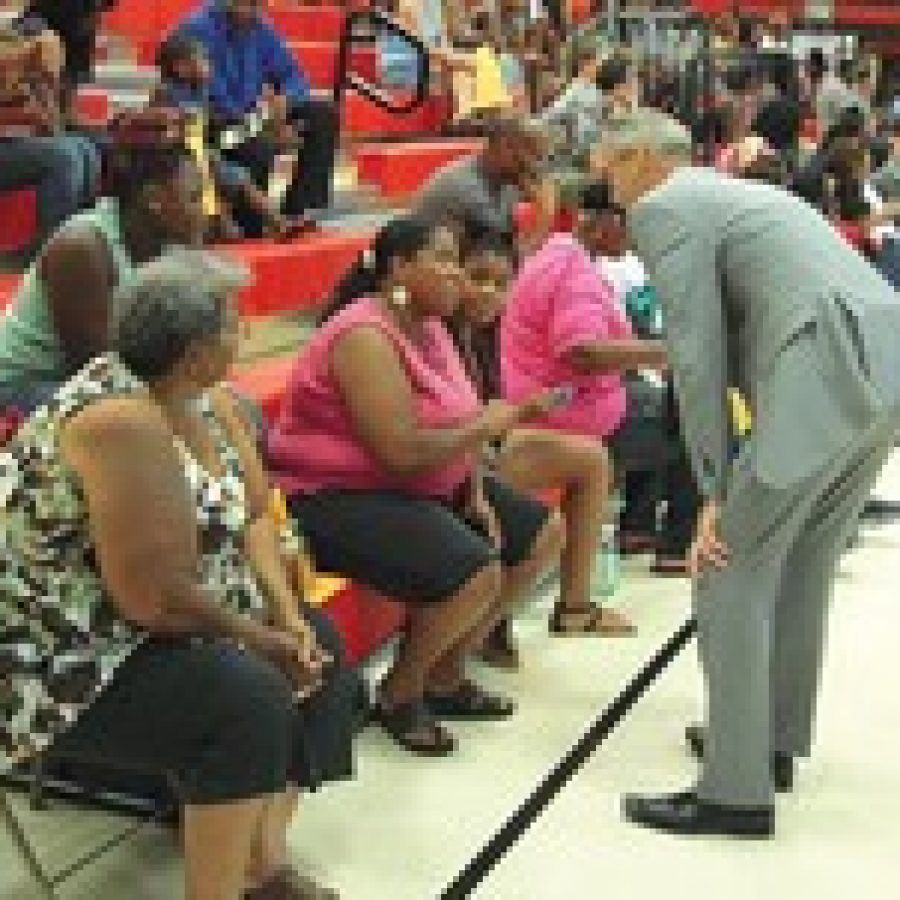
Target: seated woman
pixel 35 149
pixel 533 459
pixel 177 646
pixel 376 446
pixel 563 327
pixel 60 316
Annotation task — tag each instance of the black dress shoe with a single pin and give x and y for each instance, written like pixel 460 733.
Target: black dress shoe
pixel 687 814
pixel 782 764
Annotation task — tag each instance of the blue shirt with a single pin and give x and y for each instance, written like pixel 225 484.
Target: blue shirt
pixel 244 61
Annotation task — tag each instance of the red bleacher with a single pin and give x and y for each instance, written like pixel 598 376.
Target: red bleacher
pixel 308 23
pixel 294 275
pixel 398 169
pixel 361 116
pixel 18 219
pixel 319 60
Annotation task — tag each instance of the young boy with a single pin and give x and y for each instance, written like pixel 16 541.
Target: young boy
pixel 184 84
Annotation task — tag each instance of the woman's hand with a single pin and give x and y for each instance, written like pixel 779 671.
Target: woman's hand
pixel 498 417
pixel 296 656
pixel 707 549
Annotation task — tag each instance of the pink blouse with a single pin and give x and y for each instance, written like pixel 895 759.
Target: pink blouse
pixel 558 301
pixel 314 444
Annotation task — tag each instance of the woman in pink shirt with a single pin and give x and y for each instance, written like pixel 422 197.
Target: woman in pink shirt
pixel 561 326
pixel 376 446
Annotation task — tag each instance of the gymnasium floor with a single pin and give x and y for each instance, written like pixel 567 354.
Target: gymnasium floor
pixel 403 829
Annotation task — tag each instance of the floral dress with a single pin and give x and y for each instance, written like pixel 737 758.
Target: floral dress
pixel 61 638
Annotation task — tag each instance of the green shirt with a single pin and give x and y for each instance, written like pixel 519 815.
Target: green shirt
pixel 30 351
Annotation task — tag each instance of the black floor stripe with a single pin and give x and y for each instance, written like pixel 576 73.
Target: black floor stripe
pixel 524 817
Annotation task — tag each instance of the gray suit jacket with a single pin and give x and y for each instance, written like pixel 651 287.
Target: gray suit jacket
pixel 759 292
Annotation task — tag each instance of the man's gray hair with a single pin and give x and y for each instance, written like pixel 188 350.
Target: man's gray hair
pixel 179 299
pixel 649 129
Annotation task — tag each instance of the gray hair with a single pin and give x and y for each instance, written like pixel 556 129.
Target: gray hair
pixel 647 129
pixel 179 299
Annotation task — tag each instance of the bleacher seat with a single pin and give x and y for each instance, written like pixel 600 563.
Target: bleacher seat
pixel 295 275
pixel 365 619
pixel 399 169
pixel 319 60
pixel 308 23
pixel 362 117
pixel 18 219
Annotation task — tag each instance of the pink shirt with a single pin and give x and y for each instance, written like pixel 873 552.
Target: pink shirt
pixel 557 302
pixel 314 444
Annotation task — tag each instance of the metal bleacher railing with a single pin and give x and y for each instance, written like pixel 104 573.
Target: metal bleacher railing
pixel 362 27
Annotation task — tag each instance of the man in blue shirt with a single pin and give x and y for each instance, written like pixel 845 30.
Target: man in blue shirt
pixel 248 58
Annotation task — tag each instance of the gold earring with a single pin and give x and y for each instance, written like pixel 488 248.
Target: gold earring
pixel 399 296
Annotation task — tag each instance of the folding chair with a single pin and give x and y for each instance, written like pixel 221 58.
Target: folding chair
pixel 34 782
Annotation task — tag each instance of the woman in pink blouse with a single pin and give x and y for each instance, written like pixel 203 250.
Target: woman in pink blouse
pixel 376 447
pixel 561 327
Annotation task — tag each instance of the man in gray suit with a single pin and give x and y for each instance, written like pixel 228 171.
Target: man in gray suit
pixel 758 293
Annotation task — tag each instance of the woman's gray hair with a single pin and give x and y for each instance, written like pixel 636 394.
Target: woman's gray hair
pixel 179 299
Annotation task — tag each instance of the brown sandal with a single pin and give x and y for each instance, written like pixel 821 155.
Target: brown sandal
pixel 594 620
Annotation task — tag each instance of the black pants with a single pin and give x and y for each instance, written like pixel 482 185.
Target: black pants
pixel 650 451
pixel 317 123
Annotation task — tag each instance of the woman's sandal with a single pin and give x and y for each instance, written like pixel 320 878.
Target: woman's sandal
pixel 590 620
pixel 413 726
pixel 288 884
pixel 470 703
pixel 499 650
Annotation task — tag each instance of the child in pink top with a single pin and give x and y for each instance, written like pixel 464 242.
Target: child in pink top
pixel 557 303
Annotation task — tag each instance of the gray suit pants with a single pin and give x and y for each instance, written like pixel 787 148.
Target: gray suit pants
pixel 762 618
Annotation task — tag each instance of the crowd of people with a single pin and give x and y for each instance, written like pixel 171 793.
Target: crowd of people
pixel 480 352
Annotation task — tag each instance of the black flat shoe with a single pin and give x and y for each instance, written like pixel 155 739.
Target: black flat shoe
pixel 782 764
pixel 688 815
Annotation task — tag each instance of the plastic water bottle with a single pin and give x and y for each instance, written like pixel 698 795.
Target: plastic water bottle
pixel 607 563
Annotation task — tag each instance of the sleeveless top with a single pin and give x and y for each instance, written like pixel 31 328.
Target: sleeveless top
pixel 314 445
pixel 61 638
pixel 29 347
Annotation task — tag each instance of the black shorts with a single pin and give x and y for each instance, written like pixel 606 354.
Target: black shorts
pixel 414 549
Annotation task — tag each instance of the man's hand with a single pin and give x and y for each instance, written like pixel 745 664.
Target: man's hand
pixel 707 549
